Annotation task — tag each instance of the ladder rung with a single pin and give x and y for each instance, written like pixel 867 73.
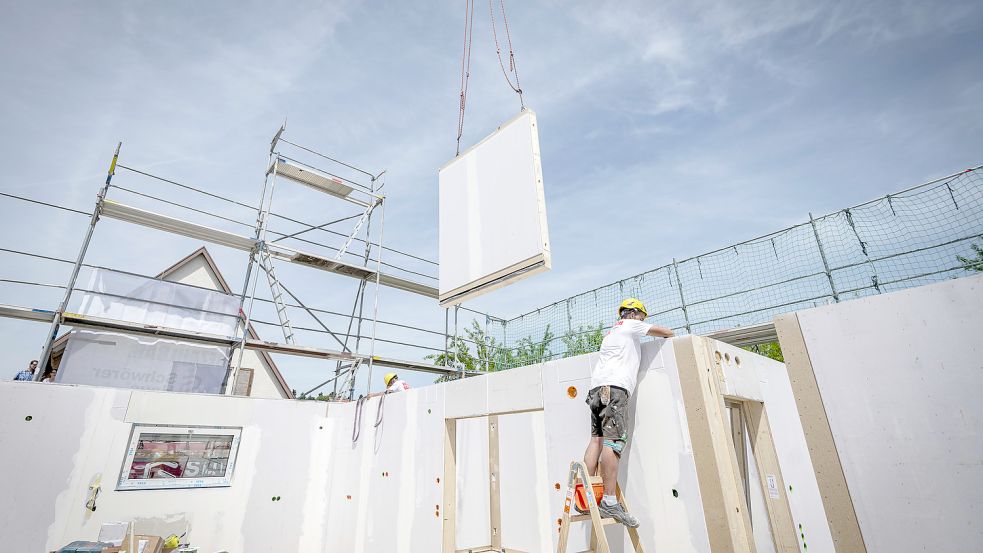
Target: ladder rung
pixel 593 480
pixel 604 521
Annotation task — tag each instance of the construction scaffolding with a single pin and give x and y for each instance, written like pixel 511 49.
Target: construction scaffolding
pixel 919 235
pixel 359 257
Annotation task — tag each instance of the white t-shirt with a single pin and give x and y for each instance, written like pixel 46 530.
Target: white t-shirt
pixel 398 386
pixel 620 355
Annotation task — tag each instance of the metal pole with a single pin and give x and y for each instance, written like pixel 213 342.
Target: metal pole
pixel 457 358
pixel 447 326
pixel 348 332
pixel 260 243
pixel 822 254
pixel 682 300
pixel 249 272
pixel 56 321
pixel 360 298
pixel 375 306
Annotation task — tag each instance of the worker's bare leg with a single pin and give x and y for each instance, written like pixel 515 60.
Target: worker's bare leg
pixel 609 470
pixel 593 454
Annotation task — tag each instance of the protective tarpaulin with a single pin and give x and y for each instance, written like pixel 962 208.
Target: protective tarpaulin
pixel 121 360
pixel 141 300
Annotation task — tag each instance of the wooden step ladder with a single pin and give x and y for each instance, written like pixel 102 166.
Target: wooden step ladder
pixel 598 540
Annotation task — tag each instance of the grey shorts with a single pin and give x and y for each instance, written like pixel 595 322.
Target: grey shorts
pixel 608 416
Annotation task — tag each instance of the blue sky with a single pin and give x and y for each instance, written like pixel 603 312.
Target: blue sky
pixel 667 128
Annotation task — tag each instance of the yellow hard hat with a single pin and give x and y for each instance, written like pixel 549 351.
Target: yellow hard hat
pixel 632 303
pixel 388 378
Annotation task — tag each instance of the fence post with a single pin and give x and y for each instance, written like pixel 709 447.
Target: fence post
pixel 457 359
pixel 822 254
pixel 447 319
pixel 486 339
pixel 682 300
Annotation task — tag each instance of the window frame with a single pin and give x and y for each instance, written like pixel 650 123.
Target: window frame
pixel 138 430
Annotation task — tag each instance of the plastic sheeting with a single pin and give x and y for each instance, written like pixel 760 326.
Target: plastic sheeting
pixel 141 300
pixel 120 360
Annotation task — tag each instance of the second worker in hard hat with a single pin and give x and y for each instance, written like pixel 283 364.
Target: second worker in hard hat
pixel 393 383
pixel 612 383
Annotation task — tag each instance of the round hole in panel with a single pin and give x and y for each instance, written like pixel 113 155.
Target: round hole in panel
pixel 737 360
pixel 28 418
pixel 572 391
pixel 675 493
pixel 717 355
pixel 557 485
pixel 727 357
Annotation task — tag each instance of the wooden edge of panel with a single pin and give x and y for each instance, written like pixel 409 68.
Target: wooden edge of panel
pixel 728 525
pixel 770 476
pixel 837 502
pixel 450 487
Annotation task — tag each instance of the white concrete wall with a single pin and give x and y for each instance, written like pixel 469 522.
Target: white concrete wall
pixel 900 378
pixel 382 493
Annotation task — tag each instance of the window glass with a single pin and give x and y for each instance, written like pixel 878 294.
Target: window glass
pixel 179 457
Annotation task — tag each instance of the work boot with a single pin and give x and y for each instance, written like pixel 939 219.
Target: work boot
pixel 617 512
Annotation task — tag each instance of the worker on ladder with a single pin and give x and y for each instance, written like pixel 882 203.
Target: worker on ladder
pixel 612 383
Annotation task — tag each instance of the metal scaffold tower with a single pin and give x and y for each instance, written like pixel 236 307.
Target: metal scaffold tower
pixel 265 249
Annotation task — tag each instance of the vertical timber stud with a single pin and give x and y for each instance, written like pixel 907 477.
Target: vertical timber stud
pixel 822 255
pixel 837 503
pixel 728 525
pixel 494 491
pixel 776 501
pixel 450 486
pixel 56 321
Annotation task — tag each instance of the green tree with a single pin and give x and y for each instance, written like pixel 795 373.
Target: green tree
pixel 771 350
pixel 459 354
pixel 583 340
pixel 488 355
pixel 973 263
pixel 528 351
pixel 330 396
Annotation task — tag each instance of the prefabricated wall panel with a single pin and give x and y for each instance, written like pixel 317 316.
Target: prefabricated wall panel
pixel 899 377
pixel 302 483
pixel 493 213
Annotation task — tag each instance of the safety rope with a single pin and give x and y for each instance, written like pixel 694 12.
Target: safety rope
pixel 465 69
pixel 357 427
pixel 498 50
pixel 378 412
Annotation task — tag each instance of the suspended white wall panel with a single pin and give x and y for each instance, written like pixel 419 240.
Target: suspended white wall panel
pixel 493 213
